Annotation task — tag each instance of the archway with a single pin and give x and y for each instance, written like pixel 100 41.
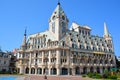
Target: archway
pixel 77 70
pixel 32 70
pixel 98 70
pixel 18 70
pixel 103 69
pixel 39 70
pixel 64 71
pixel 46 70
pixel 91 69
pixel 108 68
pixel 53 71
pixel 84 70
pixel 27 70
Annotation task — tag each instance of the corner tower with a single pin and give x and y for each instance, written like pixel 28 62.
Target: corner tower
pixel 58 23
pixel 108 37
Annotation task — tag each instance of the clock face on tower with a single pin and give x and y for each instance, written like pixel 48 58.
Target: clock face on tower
pixel 63 27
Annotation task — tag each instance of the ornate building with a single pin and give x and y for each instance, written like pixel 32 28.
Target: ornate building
pixel 60 51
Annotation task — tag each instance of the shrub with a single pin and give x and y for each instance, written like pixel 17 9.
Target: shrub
pixel 90 75
pixel 104 76
pixel 83 75
pixel 98 76
pixel 118 75
pixel 4 72
pixel 112 77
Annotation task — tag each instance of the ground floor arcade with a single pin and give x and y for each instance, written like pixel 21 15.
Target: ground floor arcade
pixel 62 70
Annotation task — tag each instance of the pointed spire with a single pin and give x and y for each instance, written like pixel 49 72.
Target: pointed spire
pixel 106 32
pixel 58 11
pixel 24 40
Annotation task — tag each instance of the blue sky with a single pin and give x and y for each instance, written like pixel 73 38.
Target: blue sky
pixel 15 15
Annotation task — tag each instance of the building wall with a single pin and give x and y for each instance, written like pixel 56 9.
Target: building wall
pixel 63 59
pixel 65 52
pixel 4 62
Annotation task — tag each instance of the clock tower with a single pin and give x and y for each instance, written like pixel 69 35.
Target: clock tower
pixel 58 23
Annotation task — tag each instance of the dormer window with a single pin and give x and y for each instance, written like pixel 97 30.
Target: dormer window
pixel 63 18
pixel 53 18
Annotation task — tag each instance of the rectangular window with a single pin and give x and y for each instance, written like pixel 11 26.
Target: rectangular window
pixel 80 31
pixel 61 52
pixel 4 62
pixel 53 27
pixel 72 45
pixel 64 53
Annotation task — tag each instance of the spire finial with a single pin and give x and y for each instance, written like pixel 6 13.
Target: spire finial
pixel 25 31
pixel 58 2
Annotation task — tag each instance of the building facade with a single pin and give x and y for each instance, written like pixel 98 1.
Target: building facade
pixel 63 51
pixel 6 62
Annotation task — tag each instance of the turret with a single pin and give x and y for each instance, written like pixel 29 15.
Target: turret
pixel 58 22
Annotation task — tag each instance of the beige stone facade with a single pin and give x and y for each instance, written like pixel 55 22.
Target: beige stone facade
pixel 60 51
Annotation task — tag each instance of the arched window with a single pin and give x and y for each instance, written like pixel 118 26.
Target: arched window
pixel 53 18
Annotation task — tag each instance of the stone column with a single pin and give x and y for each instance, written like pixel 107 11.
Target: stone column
pixel 42 57
pixel 101 70
pixel 30 63
pixel 21 70
pixel 29 70
pixel 42 71
pixel 58 71
pixel 68 61
pixel 94 69
pixel 73 71
pixel 49 70
pixel 58 57
pixel 88 69
pixel 35 70
pixel 49 57
pixel 81 70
